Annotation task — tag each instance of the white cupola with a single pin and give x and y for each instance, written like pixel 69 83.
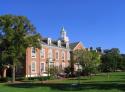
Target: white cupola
pixel 63 35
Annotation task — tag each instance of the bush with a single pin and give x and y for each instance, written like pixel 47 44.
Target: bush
pixel 44 78
pixel 20 78
pixel 3 79
pixel 39 78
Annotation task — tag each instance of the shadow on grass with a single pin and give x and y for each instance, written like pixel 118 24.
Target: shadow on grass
pixel 70 87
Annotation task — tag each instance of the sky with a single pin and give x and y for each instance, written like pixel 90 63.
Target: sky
pixel 96 23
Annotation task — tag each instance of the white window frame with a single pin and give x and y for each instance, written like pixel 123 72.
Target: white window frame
pixel 44 67
pixel 56 54
pixel 32 65
pixel 33 55
pixel 50 53
pixel 63 53
pixel 42 53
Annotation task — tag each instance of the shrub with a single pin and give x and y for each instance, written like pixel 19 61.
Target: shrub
pixel 42 78
pixel 3 79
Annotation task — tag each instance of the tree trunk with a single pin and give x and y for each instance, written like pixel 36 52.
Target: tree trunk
pixel 4 72
pixel 13 74
pixel 72 64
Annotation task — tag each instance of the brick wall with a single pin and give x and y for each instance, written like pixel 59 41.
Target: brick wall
pixel 38 59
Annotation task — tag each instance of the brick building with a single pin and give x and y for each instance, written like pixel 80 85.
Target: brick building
pixel 53 53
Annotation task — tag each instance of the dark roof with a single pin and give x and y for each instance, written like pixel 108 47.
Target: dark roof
pixel 53 42
pixel 63 44
pixel 73 45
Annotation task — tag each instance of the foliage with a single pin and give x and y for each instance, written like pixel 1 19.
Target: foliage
pixel 4 79
pixel 67 70
pixel 110 60
pixel 121 62
pixel 54 71
pixel 89 60
pixel 16 34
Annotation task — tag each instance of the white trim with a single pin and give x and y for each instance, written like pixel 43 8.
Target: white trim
pixel 32 75
pixel 33 55
pixel 35 67
pixel 42 51
pixel 50 53
pixel 44 74
pixel 63 52
pixel 61 48
pixel 58 54
pixel 44 67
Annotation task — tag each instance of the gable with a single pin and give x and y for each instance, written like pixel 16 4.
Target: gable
pixel 79 46
pixel 73 45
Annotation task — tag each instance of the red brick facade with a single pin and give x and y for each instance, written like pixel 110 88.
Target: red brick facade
pixel 56 53
pixel 78 46
pixel 38 60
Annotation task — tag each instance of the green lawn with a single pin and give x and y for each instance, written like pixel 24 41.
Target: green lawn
pixel 100 83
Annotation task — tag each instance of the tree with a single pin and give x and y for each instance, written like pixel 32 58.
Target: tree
pixel 110 60
pixel 16 34
pixel 70 69
pixel 121 62
pixel 72 62
pixel 89 60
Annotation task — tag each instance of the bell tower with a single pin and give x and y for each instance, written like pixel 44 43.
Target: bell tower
pixel 63 35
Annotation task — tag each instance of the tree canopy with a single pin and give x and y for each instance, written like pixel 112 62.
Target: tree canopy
pixel 16 34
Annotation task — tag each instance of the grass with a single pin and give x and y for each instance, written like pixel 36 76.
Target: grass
pixel 99 83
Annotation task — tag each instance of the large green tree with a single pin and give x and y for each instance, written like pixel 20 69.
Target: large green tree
pixel 16 34
pixel 110 60
pixel 89 60
pixel 121 63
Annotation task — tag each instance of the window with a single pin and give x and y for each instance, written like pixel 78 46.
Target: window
pixel 63 55
pixel 33 67
pixel 50 54
pixel 42 53
pixel 42 67
pixel 68 55
pixel 33 52
pixel 57 55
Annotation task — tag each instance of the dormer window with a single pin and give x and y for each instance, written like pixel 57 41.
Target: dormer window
pixel 67 45
pixel 49 41
pixel 59 43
